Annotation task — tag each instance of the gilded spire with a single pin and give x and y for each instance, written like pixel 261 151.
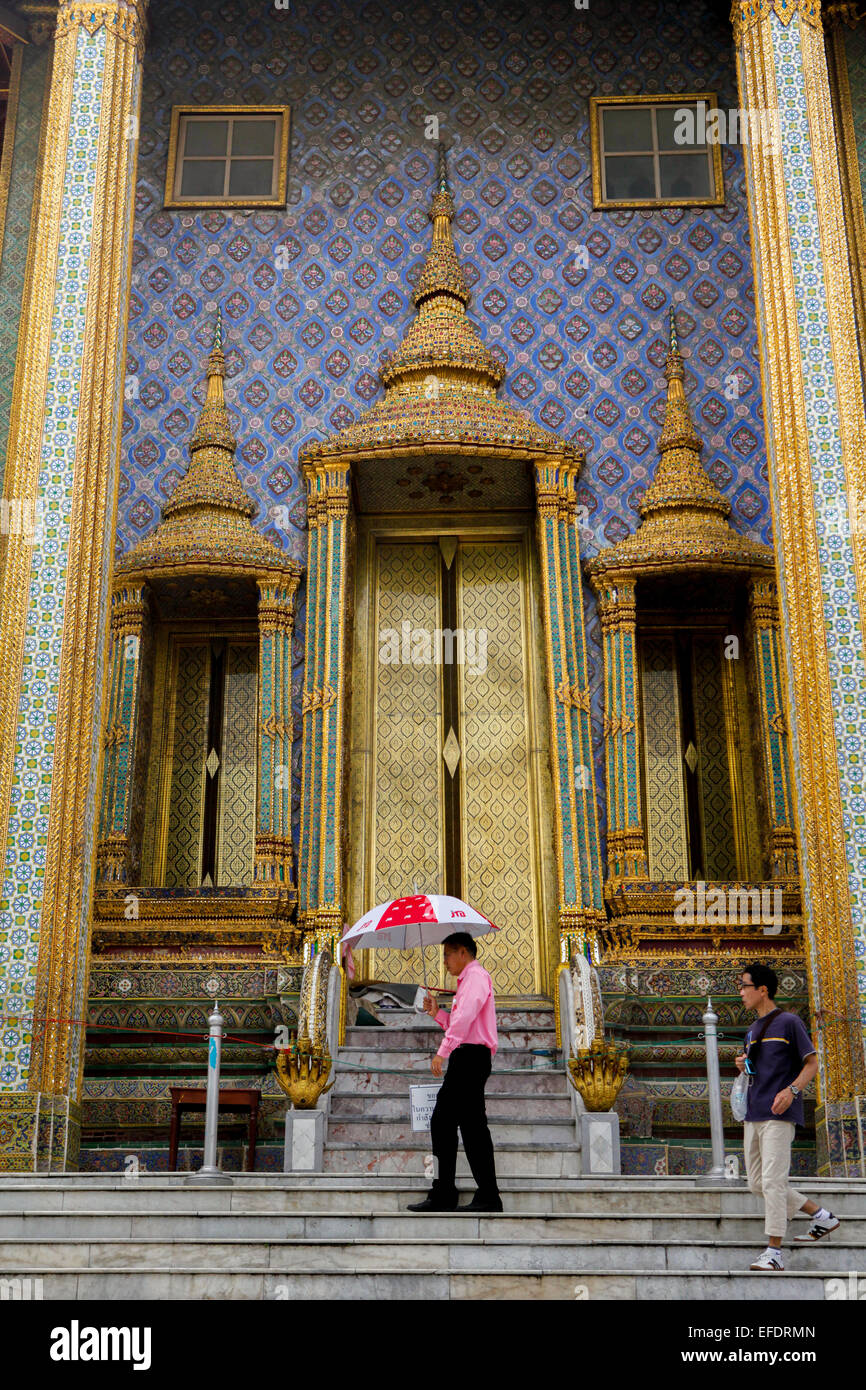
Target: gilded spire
pixel 680 481
pixel 441 340
pixel 684 514
pixel 206 523
pixel 211 479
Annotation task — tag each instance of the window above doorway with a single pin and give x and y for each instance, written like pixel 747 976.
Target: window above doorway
pixel 654 151
pixel 227 156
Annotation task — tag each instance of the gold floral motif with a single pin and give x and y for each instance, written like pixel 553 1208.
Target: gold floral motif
pixel 747 14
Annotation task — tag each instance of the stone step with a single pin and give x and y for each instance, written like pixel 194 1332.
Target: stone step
pixel 414 1255
pixel 416 1058
pixel 364 1129
pixel 527 1081
pixel 427 1039
pixel 409 1158
pixel 637 1226
pixel 286 1193
pixel 502 1106
pixel 393 1284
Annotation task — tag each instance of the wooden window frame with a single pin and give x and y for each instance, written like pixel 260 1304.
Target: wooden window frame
pixel 174 169
pixel 714 153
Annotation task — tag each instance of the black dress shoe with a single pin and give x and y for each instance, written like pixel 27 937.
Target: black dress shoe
pixel 475 1205
pixel 434 1204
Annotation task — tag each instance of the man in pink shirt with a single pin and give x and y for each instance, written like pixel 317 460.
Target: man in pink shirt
pixel 469 1044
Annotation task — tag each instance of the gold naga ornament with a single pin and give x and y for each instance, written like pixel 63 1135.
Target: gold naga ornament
pixel 303 1070
pixel 597 1073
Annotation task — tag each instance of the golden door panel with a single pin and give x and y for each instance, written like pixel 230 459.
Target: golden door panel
pixel 665 799
pixel 407 739
pixel 497 820
pixel 237 809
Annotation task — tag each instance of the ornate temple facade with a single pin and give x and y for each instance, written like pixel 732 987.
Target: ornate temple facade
pixel 434 459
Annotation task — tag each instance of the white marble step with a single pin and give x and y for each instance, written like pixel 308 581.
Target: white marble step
pixel 525 1080
pixel 391 1285
pixel 427 1254
pixel 638 1226
pixel 392 1054
pixel 286 1193
pixel 409 1158
pixel 428 1038
pixel 502 1106
pixel 387 1133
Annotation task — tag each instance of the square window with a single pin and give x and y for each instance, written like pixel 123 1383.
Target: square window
pixel 235 156
pixel 654 152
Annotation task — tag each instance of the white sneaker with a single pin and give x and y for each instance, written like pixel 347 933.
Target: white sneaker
pixel 819 1229
pixel 770 1260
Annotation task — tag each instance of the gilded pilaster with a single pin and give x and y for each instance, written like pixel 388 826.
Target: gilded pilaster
pixel 63 445
pixel 837 15
pixel 817 466
pixel 581 904
pixel 128 616
pixel 626 840
pixel 764 612
pixel 274 830
pixel 324 701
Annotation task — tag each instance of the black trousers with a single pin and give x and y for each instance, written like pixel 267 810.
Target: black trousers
pixel 460 1105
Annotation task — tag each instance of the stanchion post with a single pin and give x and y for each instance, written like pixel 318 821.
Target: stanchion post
pixel 209 1172
pixel 717 1132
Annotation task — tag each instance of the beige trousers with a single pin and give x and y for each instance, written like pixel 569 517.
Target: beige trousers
pixel 767 1146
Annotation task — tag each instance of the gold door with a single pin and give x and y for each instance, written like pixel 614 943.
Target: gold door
pixel 449 751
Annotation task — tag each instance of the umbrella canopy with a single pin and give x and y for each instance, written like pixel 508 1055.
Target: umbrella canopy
pixel 420 920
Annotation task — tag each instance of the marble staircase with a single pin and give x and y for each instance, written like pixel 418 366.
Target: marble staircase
pixel 101 1237
pixel 529 1109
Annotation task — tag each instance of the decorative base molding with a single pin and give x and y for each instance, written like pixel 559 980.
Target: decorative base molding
pixel 39 1133
pixel 139 916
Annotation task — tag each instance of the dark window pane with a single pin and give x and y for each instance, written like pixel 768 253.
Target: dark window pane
pixel 251 178
pixel 630 176
pixel 203 178
pixel 253 137
pixel 682 121
pixel 685 176
pixel 206 137
pixel 627 128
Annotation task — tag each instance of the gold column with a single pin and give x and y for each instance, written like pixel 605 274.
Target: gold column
pixel 764 613
pixel 626 838
pixel 128 617
pixel 815 420
pixel 63 453
pixel 326 686
pixel 274 822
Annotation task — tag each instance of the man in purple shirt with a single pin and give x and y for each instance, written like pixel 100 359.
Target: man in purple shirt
pixel 469 1044
pixel 779 1059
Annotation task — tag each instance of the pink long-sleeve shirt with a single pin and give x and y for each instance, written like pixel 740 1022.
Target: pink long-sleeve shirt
pixel 473 1014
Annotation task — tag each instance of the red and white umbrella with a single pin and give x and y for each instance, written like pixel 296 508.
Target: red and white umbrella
pixel 420 920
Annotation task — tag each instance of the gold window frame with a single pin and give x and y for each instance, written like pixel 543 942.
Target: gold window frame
pixel 277 196
pixel 602 203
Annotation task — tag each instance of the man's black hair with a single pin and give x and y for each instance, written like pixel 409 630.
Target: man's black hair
pixel 763 975
pixel 461 938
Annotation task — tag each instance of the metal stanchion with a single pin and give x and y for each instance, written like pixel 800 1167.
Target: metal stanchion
pixel 717 1131
pixel 209 1172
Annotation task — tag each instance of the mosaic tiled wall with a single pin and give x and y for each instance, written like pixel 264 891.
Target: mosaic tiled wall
pixel 509 83
pixel 35 62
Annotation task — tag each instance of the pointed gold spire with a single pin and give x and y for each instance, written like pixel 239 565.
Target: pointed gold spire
pixel 206 523
pixel 442 346
pixel 680 483
pixel 441 383
pixel 211 479
pixel 684 515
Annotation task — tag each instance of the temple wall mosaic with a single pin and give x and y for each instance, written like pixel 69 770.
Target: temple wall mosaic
pixel 584 348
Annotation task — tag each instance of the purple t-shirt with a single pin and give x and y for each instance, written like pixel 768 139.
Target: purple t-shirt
pixel 778 1061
